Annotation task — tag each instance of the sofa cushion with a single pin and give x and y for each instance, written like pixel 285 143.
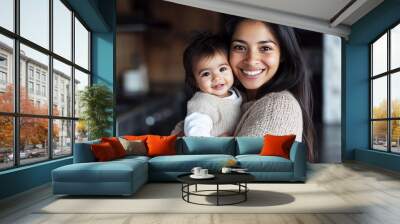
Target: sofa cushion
pixel 161 145
pixel 185 163
pixel 135 137
pixel 133 158
pixel 116 145
pixel 249 145
pixel 207 145
pixel 83 153
pixel 134 147
pixel 103 151
pixel 111 171
pixel 257 163
pixel 277 145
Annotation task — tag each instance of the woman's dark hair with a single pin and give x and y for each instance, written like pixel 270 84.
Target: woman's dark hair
pixel 291 75
pixel 203 45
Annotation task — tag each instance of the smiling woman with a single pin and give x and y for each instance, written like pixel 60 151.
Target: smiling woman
pixel 267 61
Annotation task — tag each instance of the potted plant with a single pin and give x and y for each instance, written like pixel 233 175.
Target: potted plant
pixel 96 102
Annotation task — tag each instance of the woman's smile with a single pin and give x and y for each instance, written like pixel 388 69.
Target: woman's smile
pixel 252 72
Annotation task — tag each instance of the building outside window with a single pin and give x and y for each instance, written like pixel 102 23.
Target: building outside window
pixel 43 90
pixel 37 89
pixel 34 75
pixel 385 91
pixel 3 78
pixel 3 61
pixel 30 87
pixel 30 72
pixel 37 75
pixel 3 72
pixel 43 78
pixel 55 96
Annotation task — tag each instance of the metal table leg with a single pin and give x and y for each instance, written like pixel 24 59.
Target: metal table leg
pixel 217 194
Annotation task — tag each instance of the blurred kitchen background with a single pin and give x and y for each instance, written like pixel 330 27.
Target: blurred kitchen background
pixel 151 37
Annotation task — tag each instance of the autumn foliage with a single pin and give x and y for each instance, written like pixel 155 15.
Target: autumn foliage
pixel 33 130
pixel 380 127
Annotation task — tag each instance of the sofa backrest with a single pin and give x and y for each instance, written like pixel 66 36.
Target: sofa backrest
pixel 83 152
pixel 249 145
pixel 206 145
pixel 191 146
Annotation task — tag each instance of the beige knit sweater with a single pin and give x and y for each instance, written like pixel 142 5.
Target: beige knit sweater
pixel 277 113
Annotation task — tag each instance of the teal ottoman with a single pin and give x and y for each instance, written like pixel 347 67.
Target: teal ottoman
pixel 118 177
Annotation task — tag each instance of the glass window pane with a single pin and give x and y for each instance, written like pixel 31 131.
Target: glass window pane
pixel 35 21
pixel 81 45
pixel 6 142
pixel 395 47
pixel 33 140
pixel 379 97
pixel 395 136
pixel 81 131
pixel 62 89
pixel 7 14
pixel 395 95
pixel 379 135
pixel 6 74
pixel 81 81
pixel 62 138
pixel 62 29
pixel 34 96
pixel 379 55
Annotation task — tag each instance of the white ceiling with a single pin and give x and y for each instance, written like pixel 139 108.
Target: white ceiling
pixel 320 9
pixel 325 16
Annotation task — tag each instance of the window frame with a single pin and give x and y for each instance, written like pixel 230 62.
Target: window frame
pixel 388 74
pixel 16 114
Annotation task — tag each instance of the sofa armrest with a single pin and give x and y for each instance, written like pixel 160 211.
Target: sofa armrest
pixel 83 153
pixel 298 157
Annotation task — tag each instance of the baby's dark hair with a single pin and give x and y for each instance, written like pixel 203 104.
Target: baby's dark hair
pixel 203 45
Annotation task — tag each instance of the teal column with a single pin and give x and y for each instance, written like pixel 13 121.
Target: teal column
pixel 103 53
pixel 356 99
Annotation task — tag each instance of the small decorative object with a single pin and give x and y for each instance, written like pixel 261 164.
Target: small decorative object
pixel 200 173
pixel 196 170
pixel 231 163
pixel 226 170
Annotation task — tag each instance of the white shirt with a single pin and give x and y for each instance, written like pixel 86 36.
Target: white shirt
pixel 199 124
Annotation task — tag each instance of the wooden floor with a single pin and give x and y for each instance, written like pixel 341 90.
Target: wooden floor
pixel 377 188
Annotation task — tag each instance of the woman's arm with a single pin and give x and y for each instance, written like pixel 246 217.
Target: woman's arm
pixel 276 114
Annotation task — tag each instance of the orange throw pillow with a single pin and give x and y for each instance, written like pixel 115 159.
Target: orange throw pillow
pixel 116 145
pixel 277 145
pixel 103 151
pixel 161 145
pixel 135 137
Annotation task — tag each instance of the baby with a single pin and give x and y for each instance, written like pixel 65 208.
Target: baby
pixel 214 109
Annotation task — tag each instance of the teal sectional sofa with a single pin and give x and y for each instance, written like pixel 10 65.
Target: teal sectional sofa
pixel 125 176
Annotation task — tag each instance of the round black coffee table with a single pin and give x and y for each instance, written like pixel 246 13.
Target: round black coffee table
pixel 238 179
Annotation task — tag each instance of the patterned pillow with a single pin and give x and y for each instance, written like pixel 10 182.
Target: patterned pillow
pixel 134 147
